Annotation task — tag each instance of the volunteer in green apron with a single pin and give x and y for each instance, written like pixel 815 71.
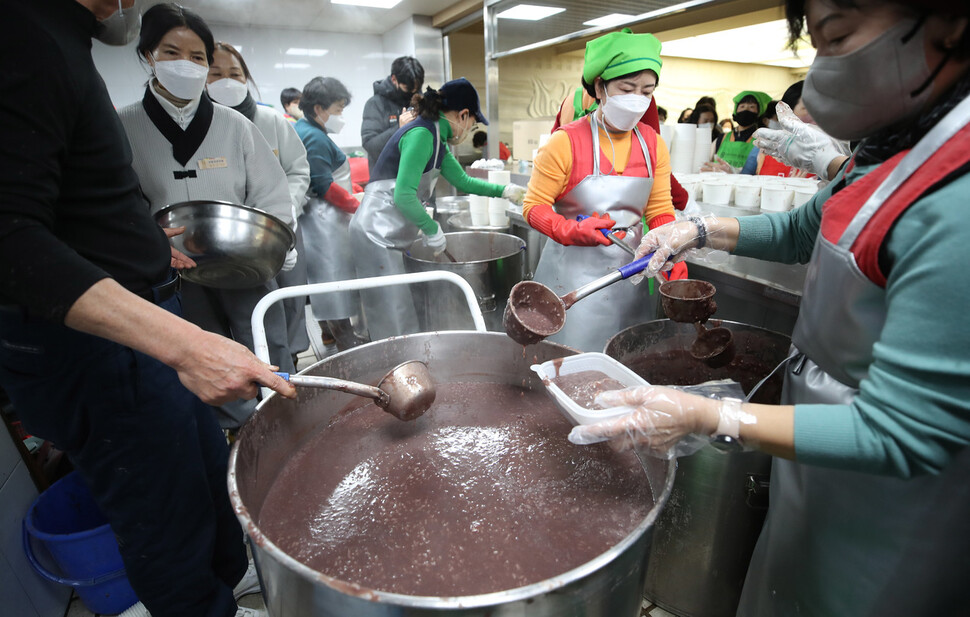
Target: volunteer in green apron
pixel 733 148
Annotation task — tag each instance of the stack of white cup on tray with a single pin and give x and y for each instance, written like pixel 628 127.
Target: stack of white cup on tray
pixel 498 207
pixel 769 193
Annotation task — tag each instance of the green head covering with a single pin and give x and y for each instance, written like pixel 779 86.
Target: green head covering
pixel 621 53
pixel 762 97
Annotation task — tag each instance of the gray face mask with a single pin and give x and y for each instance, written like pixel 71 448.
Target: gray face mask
pixel 121 27
pixel 854 95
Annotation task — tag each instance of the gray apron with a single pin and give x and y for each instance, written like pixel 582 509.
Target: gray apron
pixel 379 235
pixel 834 538
pixel 593 320
pixel 326 235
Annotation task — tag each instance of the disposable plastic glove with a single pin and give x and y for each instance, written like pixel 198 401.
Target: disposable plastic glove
pixel 800 145
pixel 664 421
pixel 514 193
pixel 290 262
pixel 670 243
pixel 567 231
pixel 437 242
pixel 719 165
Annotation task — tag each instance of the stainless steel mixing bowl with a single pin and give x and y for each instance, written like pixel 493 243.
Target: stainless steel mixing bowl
pixel 234 246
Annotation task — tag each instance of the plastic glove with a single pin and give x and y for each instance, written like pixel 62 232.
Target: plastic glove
pixel 678 272
pixel 567 231
pixel 437 242
pixel 665 421
pixel 290 262
pixel 719 165
pixel 670 243
pixel 514 193
pixel 800 145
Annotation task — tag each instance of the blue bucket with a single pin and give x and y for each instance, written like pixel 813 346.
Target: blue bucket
pixel 70 526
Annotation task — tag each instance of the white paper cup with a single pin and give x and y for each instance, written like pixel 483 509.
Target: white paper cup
pixel 499 177
pixel 747 195
pixel 478 208
pixel 717 193
pixel 776 198
pixel 498 215
pixel 802 195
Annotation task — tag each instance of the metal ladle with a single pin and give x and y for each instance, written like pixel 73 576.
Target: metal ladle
pixel 405 392
pixel 692 301
pixel 534 311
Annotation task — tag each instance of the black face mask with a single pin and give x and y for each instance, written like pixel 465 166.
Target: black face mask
pixel 746 117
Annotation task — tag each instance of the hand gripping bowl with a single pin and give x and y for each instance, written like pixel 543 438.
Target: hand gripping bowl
pixel 235 246
pixel 609 584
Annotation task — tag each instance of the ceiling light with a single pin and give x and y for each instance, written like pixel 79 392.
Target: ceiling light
pixel 303 51
pixel 764 43
pixel 291 65
pixel 609 20
pixel 374 4
pixel 530 12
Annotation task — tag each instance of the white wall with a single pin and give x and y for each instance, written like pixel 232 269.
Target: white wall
pixel 357 60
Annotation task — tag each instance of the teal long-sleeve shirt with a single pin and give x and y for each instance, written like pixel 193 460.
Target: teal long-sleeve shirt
pixel 322 153
pixel 912 413
pixel 417 148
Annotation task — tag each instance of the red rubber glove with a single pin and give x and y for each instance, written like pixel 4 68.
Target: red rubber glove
pixel 569 232
pixel 679 270
pixel 339 197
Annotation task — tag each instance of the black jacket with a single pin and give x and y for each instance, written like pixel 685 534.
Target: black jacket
pixel 380 117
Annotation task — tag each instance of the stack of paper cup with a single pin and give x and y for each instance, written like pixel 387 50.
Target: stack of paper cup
pixel 478 207
pixel 702 148
pixel 667 134
pixel 499 177
pixel 498 215
pixel 682 148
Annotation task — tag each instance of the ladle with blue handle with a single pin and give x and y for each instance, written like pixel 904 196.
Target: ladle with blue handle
pixel 534 311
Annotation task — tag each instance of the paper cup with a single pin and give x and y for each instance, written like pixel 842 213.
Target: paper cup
pixel 747 195
pixel 498 215
pixel 478 208
pixel 717 193
pixel 499 177
pixel 776 198
pixel 802 195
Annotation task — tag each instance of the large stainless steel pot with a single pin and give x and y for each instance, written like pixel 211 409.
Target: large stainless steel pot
pixel 447 207
pixel 705 536
pixel 491 262
pixel 608 586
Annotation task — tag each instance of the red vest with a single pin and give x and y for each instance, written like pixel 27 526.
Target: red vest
pixel 771 166
pixel 839 210
pixel 581 143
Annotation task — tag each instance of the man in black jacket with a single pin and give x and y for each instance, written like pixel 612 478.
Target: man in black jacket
pixel 387 110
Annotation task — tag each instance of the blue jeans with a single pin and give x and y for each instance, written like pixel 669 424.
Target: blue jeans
pixel 150 451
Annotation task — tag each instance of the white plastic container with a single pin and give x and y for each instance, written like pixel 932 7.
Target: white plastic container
pixel 478 208
pixel 718 192
pixel 802 195
pixel 776 198
pixel 498 212
pixel 547 371
pixel 747 194
pixel 499 177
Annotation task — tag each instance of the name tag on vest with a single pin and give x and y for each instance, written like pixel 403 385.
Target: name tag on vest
pixel 218 162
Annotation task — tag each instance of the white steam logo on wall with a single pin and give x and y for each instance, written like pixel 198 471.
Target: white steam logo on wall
pixel 545 100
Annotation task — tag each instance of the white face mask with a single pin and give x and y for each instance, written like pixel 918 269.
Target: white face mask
pixel 122 27
pixel 334 123
pixel 228 92
pixel 183 78
pixel 623 111
pixel 456 139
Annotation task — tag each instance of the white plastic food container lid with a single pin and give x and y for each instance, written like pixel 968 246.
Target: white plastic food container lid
pixel 547 371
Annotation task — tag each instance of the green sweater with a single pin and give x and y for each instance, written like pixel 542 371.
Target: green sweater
pixel 912 413
pixel 417 148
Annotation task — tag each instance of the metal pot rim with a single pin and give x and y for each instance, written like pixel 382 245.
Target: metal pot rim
pixel 436 602
pixel 198 202
pixel 522 247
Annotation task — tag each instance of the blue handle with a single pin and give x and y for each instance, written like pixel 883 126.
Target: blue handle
pixel 285 376
pixel 606 231
pixel 635 267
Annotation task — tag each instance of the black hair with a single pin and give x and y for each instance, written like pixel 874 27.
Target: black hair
pixel 700 109
pixel 591 89
pixel 795 15
pixel 661 112
pixel 288 95
pixel 769 111
pixel 685 116
pixel 163 18
pixel 479 139
pixel 706 100
pixel 229 49
pixel 793 94
pixel 429 105
pixel 322 91
pixel 408 72
pixel 750 99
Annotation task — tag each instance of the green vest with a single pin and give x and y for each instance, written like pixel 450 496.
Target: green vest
pixel 735 152
pixel 578 111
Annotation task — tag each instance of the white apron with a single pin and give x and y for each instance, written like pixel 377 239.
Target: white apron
pixel 593 320
pixel 834 538
pixel 379 236
pixel 326 235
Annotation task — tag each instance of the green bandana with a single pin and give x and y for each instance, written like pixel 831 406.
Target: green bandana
pixel 621 53
pixel 762 97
